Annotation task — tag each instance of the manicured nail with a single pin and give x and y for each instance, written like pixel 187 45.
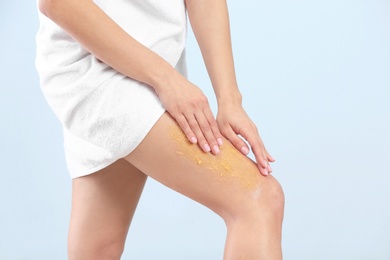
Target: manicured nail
pixel 244 150
pixel 206 148
pixel 216 149
pixel 193 140
pixel 219 140
pixel 269 168
pixel 265 163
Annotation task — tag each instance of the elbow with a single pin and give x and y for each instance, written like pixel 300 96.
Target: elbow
pixel 47 7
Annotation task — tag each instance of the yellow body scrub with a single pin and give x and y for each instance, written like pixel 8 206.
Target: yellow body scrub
pixel 229 164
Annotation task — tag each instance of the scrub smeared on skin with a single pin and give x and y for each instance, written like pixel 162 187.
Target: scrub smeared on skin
pixel 228 164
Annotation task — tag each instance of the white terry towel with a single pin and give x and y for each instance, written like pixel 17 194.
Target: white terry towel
pixel 105 114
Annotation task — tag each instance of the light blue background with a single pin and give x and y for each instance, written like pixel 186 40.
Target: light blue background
pixel 315 76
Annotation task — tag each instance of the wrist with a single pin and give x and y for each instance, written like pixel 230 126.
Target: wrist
pixel 230 99
pixel 163 76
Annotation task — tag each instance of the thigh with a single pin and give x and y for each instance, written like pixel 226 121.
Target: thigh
pixel 103 204
pixel 225 183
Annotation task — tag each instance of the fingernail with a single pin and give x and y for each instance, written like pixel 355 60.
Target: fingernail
pixel 206 148
pixel 193 140
pixel 265 171
pixel 219 140
pixel 269 168
pixel 265 163
pixel 216 149
pixel 244 150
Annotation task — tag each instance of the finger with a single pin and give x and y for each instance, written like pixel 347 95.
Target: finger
pixel 258 149
pixel 269 168
pixel 207 132
pixel 270 158
pixel 182 121
pixel 193 123
pixel 260 156
pixel 255 142
pixel 214 126
pixel 236 140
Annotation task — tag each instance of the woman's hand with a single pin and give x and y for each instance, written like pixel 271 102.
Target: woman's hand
pixel 233 121
pixel 190 108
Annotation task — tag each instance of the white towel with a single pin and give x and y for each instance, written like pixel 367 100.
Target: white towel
pixel 105 114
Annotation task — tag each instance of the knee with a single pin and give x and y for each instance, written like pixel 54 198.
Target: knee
pixel 103 250
pixel 265 201
pixel 272 198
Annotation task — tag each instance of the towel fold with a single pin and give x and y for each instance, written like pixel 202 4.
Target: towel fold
pixel 105 114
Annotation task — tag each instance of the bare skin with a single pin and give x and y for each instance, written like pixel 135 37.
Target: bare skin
pixel 103 203
pixel 250 203
pixel 94 30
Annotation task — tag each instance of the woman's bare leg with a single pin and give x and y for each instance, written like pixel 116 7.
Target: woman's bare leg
pixel 103 204
pixel 230 184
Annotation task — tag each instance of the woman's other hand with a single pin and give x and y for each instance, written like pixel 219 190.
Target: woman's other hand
pixel 190 108
pixel 233 121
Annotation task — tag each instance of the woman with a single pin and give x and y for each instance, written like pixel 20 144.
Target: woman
pixel 114 73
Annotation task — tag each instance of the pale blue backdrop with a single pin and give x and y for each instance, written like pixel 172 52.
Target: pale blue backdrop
pixel 315 76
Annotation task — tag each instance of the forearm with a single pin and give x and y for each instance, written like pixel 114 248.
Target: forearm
pixel 210 23
pixel 101 36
